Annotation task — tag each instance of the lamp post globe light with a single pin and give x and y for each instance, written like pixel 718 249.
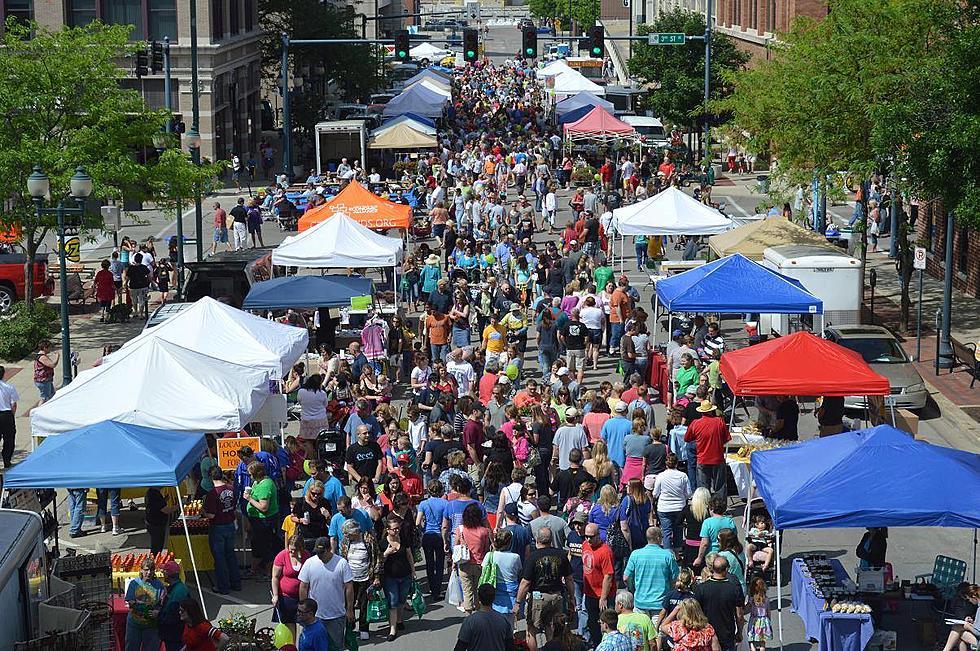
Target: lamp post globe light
pixel 80 188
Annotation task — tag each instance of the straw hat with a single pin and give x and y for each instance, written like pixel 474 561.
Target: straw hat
pixel 432 259
pixel 706 407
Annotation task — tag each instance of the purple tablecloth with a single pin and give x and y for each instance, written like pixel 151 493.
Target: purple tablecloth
pixel 832 631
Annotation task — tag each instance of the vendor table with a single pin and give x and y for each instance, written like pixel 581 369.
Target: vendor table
pixel 659 375
pixel 832 631
pixel 741 473
pixel 199 543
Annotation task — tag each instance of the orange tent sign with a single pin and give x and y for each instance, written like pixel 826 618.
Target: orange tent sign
pixel 228 450
pixel 361 205
pixel 10 234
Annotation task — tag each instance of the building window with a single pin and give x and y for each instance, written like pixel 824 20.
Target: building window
pixel 234 17
pixel 754 15
pixel 963 251
pixel 82 12
pixel 22 10
pixel 162 19
pixel 125 12
pixel 737 18
pixel 217 20
pixel 249 15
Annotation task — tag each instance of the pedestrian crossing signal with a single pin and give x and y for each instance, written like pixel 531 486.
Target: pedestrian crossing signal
pixel 401 45
pixel 530 42
pixel 471 45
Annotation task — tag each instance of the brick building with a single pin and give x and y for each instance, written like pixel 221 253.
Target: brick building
pixel 228 58
pixel 930 228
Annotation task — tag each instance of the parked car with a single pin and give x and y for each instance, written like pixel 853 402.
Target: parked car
pixel 164 312
pixel 13 280
pixel 885 355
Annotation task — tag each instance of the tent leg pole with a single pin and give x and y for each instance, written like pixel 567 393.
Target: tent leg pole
pixel 779 589
pixel 974 556
pixel 656 309
pixel 394 285
pixel 190 551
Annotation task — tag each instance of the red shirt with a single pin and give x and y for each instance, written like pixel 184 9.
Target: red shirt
pixel 597 564
pixel 200 637
pixel 487 383
pixel 411 483
pixel 289 581
pixel 710 435
pixel 606 172
pixel 105 289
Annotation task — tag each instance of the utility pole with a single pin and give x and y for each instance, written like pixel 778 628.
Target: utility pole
pixel 196 127
pixel 287 147
pixel 706 147
pixel 944 354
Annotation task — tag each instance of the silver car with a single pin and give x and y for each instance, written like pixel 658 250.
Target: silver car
pixel 885 355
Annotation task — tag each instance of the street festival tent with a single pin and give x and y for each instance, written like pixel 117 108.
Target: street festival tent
pixel 598 125
pixel 877 477
pixel 752 239
pixel 733 285
pixel 429 73
pixel 670 212
pixel 361 205
pixel 212 328
pixel 429 51
pixel 158 384
pixel 339 242
pixel 581 100
pixel 773 368
pixel 417 99
pixel 574 82
pixel 306 292
pixel 434 86
pixel 401 136
pixel 556 67
pixel 91 457
pixel 575 114
pixel 417 122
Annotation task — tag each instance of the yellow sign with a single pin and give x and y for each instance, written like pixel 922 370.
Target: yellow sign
pixel 228 450
pixel 73 249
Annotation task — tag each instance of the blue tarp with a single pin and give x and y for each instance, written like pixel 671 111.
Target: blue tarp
pixel 585 98
pixel 575 114
pixel 734 285
pixel 306 291
pixel 428 73
pixel 877 477
pixel 109 455
pixel 411 116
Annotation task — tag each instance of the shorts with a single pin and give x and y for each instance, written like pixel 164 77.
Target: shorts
pixel 397 590
pixel 760 556
pixel 539 602
pixel 285 610
pixel 117 284
pixel 105 304
pixel 438 230
pixel 45 389
pixel 575 358
pixel 595 336
pixel 254 229
pixel 221 235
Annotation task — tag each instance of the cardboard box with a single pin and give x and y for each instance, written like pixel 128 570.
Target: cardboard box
pixel 871 580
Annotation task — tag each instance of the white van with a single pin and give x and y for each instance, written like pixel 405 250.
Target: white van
pixel 828 273
pixel 651 130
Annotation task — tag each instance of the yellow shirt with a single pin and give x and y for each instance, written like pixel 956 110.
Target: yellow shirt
pixel 496 338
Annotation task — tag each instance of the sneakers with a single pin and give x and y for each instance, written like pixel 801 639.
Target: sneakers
pixel 116 532
pixel 104 528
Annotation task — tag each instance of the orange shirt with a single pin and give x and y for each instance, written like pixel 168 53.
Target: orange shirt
pixel 438 329
pixel 622 300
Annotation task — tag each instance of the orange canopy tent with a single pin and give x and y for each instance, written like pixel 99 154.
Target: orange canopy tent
pixel 361 205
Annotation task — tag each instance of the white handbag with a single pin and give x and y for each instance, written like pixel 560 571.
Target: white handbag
pixel 461 553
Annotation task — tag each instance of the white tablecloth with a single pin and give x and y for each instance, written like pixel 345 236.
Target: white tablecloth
pixel 742 475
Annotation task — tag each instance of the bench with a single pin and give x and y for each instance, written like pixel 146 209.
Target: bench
pixel 965 355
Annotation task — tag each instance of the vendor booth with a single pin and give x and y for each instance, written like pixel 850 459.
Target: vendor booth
pixel 878 477
pixel 582 100
pixel 338 241
pixel 431 73
pixel 752 239
pixel 159 384
pixel 670 212
pixel 361 205
pixel 417 99
pixel 401 137
pixel 110 455
pixel 417 122
pixel 556 67
pixel 598 125
pixel 429 51
pixel 306 291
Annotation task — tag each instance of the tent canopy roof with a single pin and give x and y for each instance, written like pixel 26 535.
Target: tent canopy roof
pixel 417 122
pixel 109 455
pixel 736 284
pixel 600 124
pixel 800 364
pixel 752 239
pixel 573 82
pixel 878 477
pixel 159 384
pixel 428 51
pixel 361 205
pixel 306 291
pixel 670 212
pixel 556 67
pixel 417 99
pixel 429 73
pixel 338 242
pixel 584 98
pixel 213 328
pixel 402 136
pixel 434 86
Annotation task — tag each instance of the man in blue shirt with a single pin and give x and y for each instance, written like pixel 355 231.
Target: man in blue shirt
pixel 344 513
pixel 314 636
pixel 362 416
pixel 242 479
pixel 333 490
pixel 650 572
pixel 614 432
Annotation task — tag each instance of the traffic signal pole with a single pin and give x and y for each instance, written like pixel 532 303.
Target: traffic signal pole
pixel 706 145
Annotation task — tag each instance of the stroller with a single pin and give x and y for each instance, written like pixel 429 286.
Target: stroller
pixel 755 510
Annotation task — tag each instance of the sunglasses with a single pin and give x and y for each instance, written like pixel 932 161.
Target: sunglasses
pixel 316 492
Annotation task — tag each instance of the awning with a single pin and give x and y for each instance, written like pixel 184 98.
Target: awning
pixel 402 136
pixel 306 292
pixel 337 243
pixel 361 205
pixel 670 212
pixel 598 124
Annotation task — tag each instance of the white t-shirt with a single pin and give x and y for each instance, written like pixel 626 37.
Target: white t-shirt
pixel 673 489
pixel 464 375
pixel 420 376
pixel 358 557
pixel 313 403
pixel 550 202
pixel 327 582
pixel 591 317
pixel 374 177
pixel 418 432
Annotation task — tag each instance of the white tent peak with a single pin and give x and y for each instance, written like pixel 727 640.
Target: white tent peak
pixel 338 242
pixel 670 212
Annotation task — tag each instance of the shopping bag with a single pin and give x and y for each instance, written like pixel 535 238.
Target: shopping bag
pixel 454 591
pixel 417 599
pixel 377 608
pixel 489 573
pixel 351 641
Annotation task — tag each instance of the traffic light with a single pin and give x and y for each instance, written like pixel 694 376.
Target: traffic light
pixel 401 45
pixel 142 64
pixel 471 45
pixel 597 46
pixel 156 56
pixel 530 42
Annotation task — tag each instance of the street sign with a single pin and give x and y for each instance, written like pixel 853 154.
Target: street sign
pixel 73 250
pixel 665 38
pixel 919 259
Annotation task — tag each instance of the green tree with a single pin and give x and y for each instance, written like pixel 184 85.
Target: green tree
pixel 676 72
pixel 63 105
pixel 544 8
pixel 345 72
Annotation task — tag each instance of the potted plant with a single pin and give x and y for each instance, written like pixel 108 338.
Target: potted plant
pixel 583 176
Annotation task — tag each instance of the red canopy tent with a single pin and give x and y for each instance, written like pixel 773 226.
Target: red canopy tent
pixel 800 364
pixel 598 124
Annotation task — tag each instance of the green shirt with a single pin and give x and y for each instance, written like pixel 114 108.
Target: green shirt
pixel 685 377
pixel 264 490
pixel 602 275
pixel 639 629
pixel 714 374
pixel 711 526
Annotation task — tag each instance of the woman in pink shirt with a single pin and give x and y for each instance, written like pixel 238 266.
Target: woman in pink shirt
pixel 596 418
pixel 476 536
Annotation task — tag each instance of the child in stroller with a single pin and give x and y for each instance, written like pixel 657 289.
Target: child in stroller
pixel 760 539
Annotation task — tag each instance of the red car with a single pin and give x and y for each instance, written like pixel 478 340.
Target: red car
pixel 13 280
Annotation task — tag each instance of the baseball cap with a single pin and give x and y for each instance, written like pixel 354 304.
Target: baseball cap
pixel 170 568
pixel 571 412
pixel 677 333
pixel 573 242
pixel 503 379
pixel 563 371
pixel 580 517
pixel 621 407
pixel 403 457
pixel 511 508
pixel 322 543
pixel 691 390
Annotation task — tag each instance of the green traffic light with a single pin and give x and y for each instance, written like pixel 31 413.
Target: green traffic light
pixel 530 50
pixel 402 54
pixel 470 53
pixel 596 50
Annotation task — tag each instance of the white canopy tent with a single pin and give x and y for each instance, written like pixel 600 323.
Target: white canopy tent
pixel 434 86
pixel 556 67
pixel 573 82
pixel 212 328
pixel 158 384
pixel 429 51
pixel 338 242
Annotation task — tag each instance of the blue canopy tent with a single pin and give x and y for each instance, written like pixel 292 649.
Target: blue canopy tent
pixel 427 73
pixel 410 116
pixel 574 114
pixel 579 100
pixel 417 99
pixel 113 455
pixel 306 291
pixel 876 477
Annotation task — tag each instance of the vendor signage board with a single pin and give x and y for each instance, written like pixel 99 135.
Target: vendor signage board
pixel 228 450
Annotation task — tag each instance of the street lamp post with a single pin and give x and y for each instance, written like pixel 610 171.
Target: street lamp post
pixel 39 187
pixel 196 129
pixel 194 144
pixel 161 140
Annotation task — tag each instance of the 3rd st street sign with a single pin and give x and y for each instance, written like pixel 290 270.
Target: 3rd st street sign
pixel 666 38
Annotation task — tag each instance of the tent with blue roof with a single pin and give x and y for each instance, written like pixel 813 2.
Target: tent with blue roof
pixel 306 292
pixel 585 98
pixel 417 99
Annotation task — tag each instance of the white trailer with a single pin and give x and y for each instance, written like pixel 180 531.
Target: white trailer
pixel 340 139
pixel 828 273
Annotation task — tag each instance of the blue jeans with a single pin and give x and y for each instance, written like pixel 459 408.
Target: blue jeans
pixel 397 590
pixel 615 335
pixel 104 497
pixel 545 359
pixel 45 389
pixel 582 627
pixel 460 337
pixel 139 638
pixel 670 524
pixel 692 473
pixel 641 255
pixel 221 539
pixel 76 508
pixel 439 351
